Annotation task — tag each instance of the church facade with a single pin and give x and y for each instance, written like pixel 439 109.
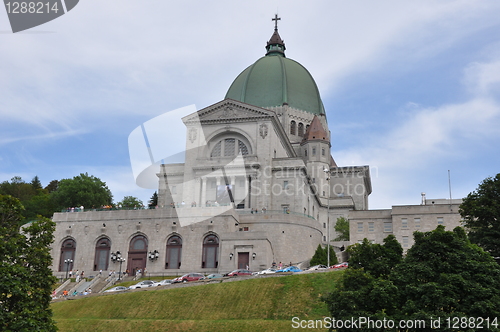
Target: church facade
pixel 258 185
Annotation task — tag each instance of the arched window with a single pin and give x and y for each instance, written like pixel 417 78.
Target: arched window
pixel 139 243
pixel 101 259
pixel 293 128
pixel 301 129
pixel 210 252
pixel 68 249
pixel 174 252
pixel 137 254
pixel 229 147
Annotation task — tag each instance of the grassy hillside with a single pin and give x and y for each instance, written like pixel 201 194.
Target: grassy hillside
pixel 262 304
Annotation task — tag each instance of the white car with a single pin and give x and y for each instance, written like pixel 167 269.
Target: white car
pixel 317 267
pixel 116 289
pixel 163 283
pixel 142 284
pixel 267 271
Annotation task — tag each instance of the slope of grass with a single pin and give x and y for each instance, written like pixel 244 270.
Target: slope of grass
pixel 263 304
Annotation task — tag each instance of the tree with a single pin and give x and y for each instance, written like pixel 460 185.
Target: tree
pixel 131 202
pixel 36 201
pixel 35 183
pixel 321 256
pixel 26 279
pixel 443 276
pixel 342 229
pixel 375 258
pixel 153 201
pixel 18 189
pixel 52 186
pixel 83 190
pixel 480 211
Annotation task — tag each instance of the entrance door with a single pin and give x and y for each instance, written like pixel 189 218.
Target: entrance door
pixel 136 263
pixel 243 260
pixel 137 254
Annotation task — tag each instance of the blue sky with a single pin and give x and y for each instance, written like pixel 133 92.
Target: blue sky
pixel 410 88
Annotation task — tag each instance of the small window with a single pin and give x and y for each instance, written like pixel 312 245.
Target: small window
pixel 371 227
pixel 440 220
pixel 416 222
pixel 404 223
pixel 301 129
pixel 285 185
pixel 360 227
pixel 405 241
pixel 323 151
pixel 293 128
pixel 314 151
pixel 305 152
pixel 388 227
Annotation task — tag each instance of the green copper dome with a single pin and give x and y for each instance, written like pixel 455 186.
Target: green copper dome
pixel 275 80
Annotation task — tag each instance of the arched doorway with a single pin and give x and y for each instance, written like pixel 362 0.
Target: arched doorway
pixel 68 249
pixel 137 254
pixel 174 252
pixel 102 250
pixel 210 252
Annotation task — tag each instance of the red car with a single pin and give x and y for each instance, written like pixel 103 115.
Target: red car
pixel 188 277
pixel 338 266
pixel 239 272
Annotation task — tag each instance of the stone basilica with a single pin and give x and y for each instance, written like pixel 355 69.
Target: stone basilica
pixel 258 185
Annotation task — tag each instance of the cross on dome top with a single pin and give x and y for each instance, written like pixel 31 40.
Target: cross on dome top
pixel 275 45
pixel 276 19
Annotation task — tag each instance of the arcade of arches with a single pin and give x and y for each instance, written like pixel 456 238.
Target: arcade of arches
pixel 138 253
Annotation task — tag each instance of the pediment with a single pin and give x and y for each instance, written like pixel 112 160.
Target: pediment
pixel 229 110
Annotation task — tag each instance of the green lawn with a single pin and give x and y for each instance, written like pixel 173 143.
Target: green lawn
pixel 261 304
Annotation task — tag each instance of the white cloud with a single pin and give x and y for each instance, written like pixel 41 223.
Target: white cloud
pixel 450 133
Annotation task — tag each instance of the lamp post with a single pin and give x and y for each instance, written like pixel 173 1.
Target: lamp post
pixel 154 255
pixel 67 262
pixel 117 258
pixel 327 171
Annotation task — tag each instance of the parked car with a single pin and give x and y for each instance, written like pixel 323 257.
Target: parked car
pixel 338 266
pixel 317 267
pixel 188 277
pixel 142 284
pixel 213 276
pixel 290 269
pixel 163 283
pixel 266 271
pixel 116 289
pixel 239 272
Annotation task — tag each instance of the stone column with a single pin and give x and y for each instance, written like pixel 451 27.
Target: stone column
pixel 203 192
pixel 247 192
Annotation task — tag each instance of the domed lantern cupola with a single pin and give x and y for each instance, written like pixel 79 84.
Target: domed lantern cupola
pixel 276 45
